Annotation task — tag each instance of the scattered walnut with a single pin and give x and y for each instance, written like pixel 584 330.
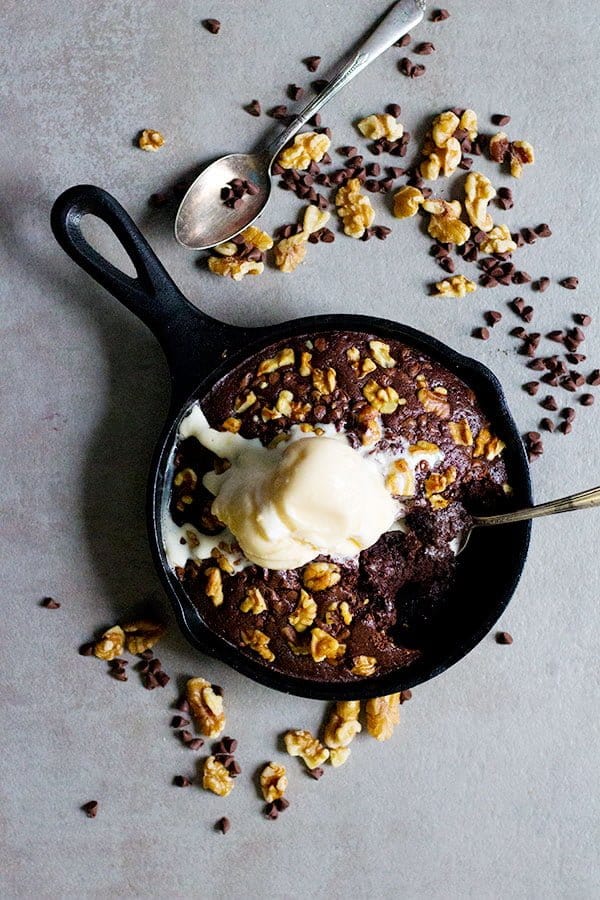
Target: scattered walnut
pixel 339 756
pixel 364 666
pixel 443 128
pixel 438 482
pixel 369 425
pixel 214 585
pixel 457 286
pixel 381 126
pixel 258 641
pixel 355 210
pixel 273 782
pixel 150 140
pixel 232 425
pixel 478 193
pixel 142 635
pixel 305 366
pixel 342 725
pixel 318 576
pixel 384 399
pixel 216 778
pixel 434 402
pixel 381 354
pixel 521 154
pixel 233 267
pixel 445 224
pixel 407 202
pixel 325 647
pixel 257 238
pixel 206 706
pixel 486 444
pixel 461 433
pixel 111 644
pixel 253 602
pixel 314 219
pixel 468 122
pixel 324 380
pixel 499 147
pixel 383 713
pixel 242 405
pixel 442 161
pixel 284 403
pixel 290 252
pixel 305 613
pixel 498 240
pixel 307 147
pixel 307 747
pixel 284 358
pixel 400 480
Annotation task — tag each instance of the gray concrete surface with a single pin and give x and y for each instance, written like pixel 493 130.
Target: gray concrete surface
pixel 490 787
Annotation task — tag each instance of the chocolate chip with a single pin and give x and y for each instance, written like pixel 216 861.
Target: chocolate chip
pixel 518 332
pixel 565 427
pixel 465 163
pixel 271 811
pixel 282 804
pixel 182 705
pixel 181 781
pixel 212 25
pixel 147 654
pixel 527 313
pixel 150 682
pixel 393 109
pixel 543 230
pixel 549 403
pixel 405 696
pixel 295 92
pixel 568 413
pixel 223 825
pixel 503 637
pixel 541 285
pixel 531 387
pixel 87 649
pixel 447 264
pixel 119 674
pixel 521 278
pixel 587 399
pixel 319 85
pixel 500 119
pixel 571 283
pixel 487 281
pixel 440 15
pixel 529 235
pixel 557 336
pixel 594 378
pixel 195 744
pixel 417 71
pixel 254 108
pixel 316 773
pixel 482 334
pixel 406 66
pixel 312 63
pixel 547 424
pixel 162 678
pixel 179 722
pixel 90 809
pixel 424 49
pixel 158 200
pixel 49 603
pixel 576 358
pixel 582 319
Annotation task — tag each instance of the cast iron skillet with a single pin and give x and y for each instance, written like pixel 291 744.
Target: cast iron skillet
pixel 200 351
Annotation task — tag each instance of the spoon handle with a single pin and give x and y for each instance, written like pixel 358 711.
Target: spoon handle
pixel 397 22
pixel 582 500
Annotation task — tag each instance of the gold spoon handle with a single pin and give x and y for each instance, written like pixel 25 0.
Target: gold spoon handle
pixel 397 22
pixel 582 500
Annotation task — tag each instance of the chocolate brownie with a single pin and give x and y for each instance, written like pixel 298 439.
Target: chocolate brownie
pixel 348 618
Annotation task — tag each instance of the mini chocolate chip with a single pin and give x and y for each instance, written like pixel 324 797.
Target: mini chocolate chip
pixel 87 649
pixel 565 427
pixel 50 603
pixel 424 49
pixel 483 334
pixel 319 85
pixel 393 109
pixel 405 696
pixel 547 424
pixel 571 283
pixel 179 722
pixel 576 358
pixel 542 284
pixel 518 332
pixel 90 809
pixel 440 15
pixel 404 41
pixel 147 654
pixel 587 399
pixel 312 63
pixel 295 92
pixel 536 364
pixel 271 811
pixel 406 66
pixel 195 744
pixel 549 403
pixel 119 674
pixel 282 804
pixel 181 781
pixel 254 108
pixel 162 678
pixel 316 773
pixel 568 413
pixel 223 825
pixel 417 71
pixel 150 682
pixel 529 235
pixel 503 637
pixel 543 230
pixel 531 387
pixel 521 278
pixel 582 319
pixel 212 25
pixel 594 378
pixel 500 119
pixel 557 336
pixel 186 736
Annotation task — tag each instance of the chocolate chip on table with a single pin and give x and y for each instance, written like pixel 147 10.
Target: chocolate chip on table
pixel 271 811
pixel 181 781
pixel 549 403
pixel 278 112
pixel 50 603
pixel 556 336
pixel 582 319
pixel 147 654
pixel 119 674
pixel 90 809
pixel 254 108
pixel 492 317
pixel 87 649
pixel 212 25
pixel 404 41
pixel 405 696
pixel 162 678
pixel 440 15
pixel 587 399
pixel 226 745
pixel 568 413
pixel 406 66
pixel 521 278
pixel 518 332
pixel 223 825
pixel 542 284
pixel 571 283
pixel 295 92
pixel 317 773
pixel 576 358
pixel 417 71
pixel 186 736
pixel 179 722
pixel 529 235
pixel 319 85
pixel 483 334
pixel 565 427
pixel 424 49
pixel 594 378
pixel 503 637
pixel 547 424
pixel 393 109
pixel 195 744
pixel 531 388
pixel 500 119
pixel 150 682
pixel 312 63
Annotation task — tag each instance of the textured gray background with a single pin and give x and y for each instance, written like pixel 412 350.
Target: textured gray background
pixel 489 788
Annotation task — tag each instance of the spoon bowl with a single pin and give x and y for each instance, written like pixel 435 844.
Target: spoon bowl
pixel 204 220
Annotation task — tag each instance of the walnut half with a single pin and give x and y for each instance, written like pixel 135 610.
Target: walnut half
pixel 216 778
pixel 206 706
pixel 383 714
pixel 303 744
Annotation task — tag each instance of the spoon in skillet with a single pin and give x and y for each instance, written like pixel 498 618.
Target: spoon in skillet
pixel 203 220
pixel 582 500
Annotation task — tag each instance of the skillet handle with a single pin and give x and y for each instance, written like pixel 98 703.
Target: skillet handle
pixel 193 342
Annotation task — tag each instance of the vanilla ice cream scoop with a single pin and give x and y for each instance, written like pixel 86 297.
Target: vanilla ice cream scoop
pixel 287 505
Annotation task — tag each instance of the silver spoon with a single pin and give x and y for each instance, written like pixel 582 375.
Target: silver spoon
pixel 582 500
pixel 202 219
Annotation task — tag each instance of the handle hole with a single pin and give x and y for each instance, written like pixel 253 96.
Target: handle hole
pixel 100 236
